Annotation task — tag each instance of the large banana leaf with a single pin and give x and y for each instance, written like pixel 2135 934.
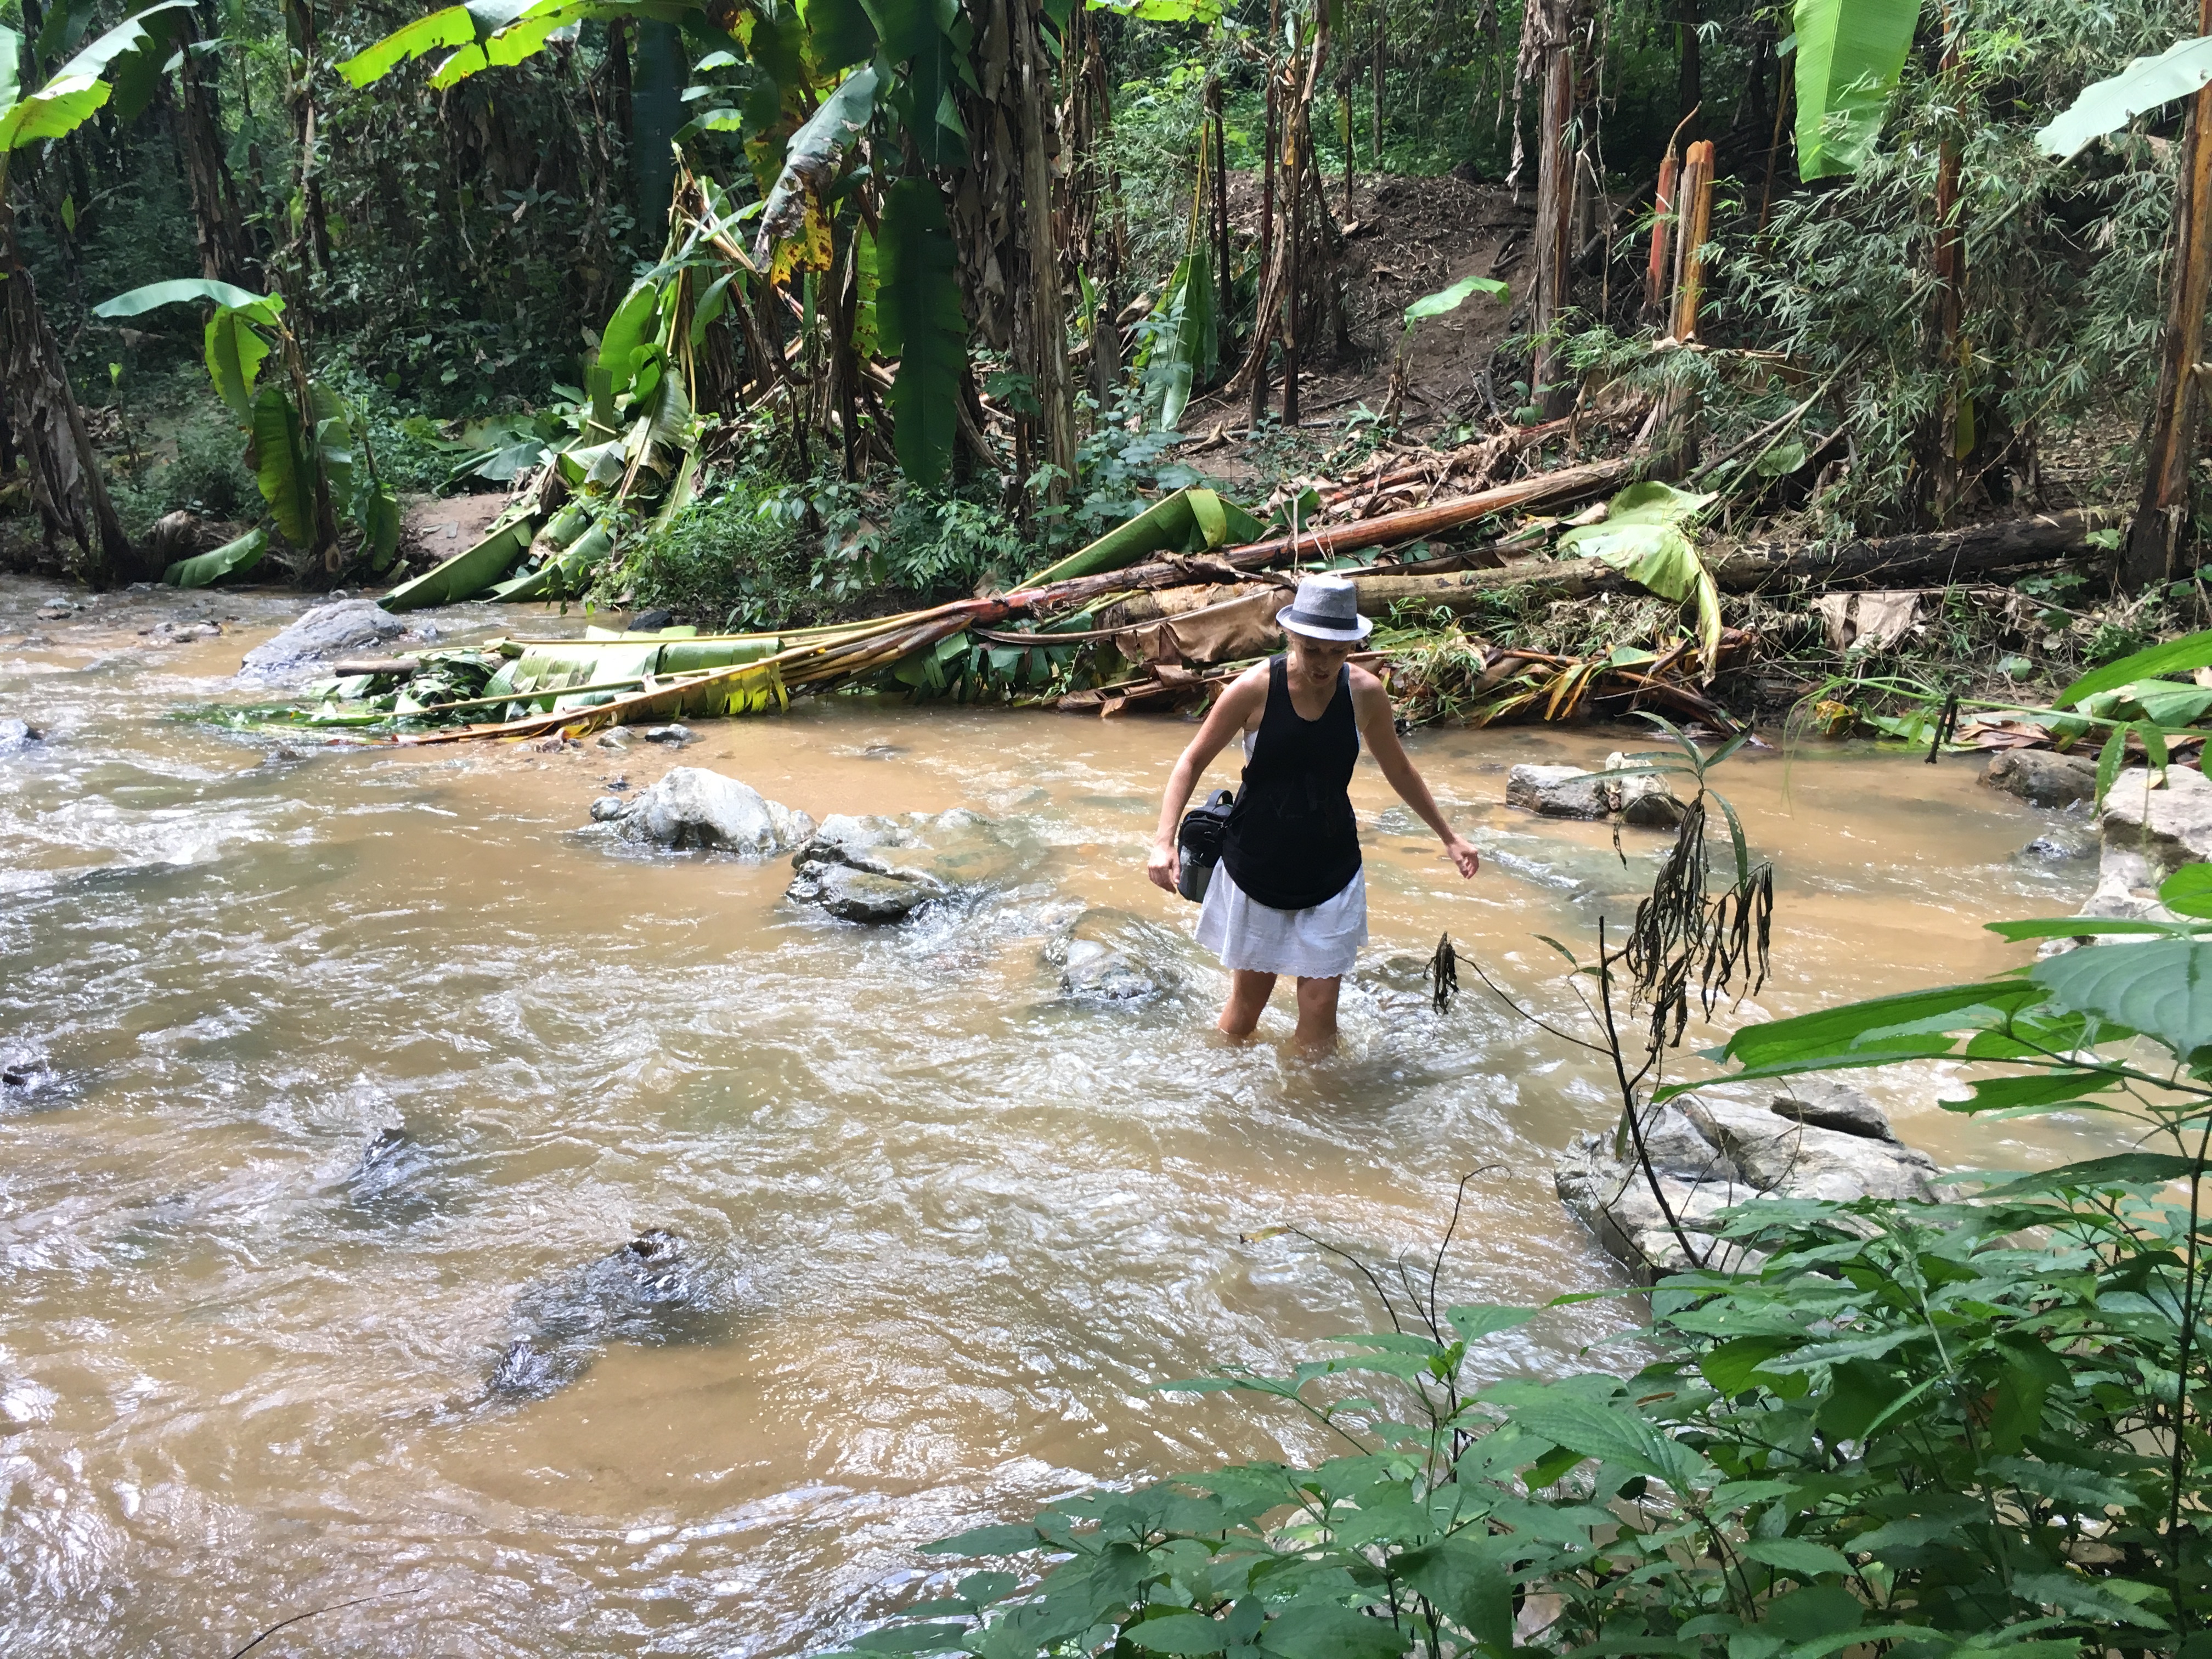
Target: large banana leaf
pixel 234 350
pixel 2107 105
pixel 1187 347
pixel 1645 536
pixel 282 466
pixel 810 161
pixel 1187 521
pixel 64 102
pixel 919 319
pixel 379 525
pixel 468 573
pixel 565 575
pixel 629 331
pixel 1848 55
pixel 229 560
pixel 184 290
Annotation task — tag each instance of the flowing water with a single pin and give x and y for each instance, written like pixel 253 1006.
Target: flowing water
pixel 968 1220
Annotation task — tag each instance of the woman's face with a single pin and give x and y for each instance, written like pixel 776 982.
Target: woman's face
pixel 1315 661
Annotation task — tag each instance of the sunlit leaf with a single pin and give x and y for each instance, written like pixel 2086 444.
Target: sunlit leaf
pixel 2106 106
pixel 1450 298
pixel 232 558
pixel 2162 988
pixel 1849 55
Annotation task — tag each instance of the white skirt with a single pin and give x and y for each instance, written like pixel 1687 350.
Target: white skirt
pixel 1319 942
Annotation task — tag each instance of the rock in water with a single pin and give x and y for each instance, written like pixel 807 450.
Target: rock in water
pixel 880 869
pixel 1572 792
pixel 2061 845
pixel 2042 777
pixel 657 1288
pixel 691 807
pixel 2147 834
pixel 1109 956
pixel 1818 1139
pixel 18 734
pixel 327 632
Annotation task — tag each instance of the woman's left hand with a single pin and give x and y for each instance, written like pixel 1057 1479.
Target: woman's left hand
pixel 1462 853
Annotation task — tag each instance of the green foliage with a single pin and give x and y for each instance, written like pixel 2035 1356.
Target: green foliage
pixel 1849 54
pixel 724 565
pixel 1645 536
pixel 232 558
pixel 2108 105
pixel 919 319
pixel 207 477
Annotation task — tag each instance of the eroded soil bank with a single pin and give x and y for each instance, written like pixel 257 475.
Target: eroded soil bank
pixel 963 1219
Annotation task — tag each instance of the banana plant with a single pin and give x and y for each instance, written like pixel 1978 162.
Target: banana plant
pixel 66 481
pixel 300 438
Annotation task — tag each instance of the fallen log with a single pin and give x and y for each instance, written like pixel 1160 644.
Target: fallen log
pixel 1328 541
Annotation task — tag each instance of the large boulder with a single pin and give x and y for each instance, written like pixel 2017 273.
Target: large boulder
pixel 690 806
pixel 2148 833
pixel 880 869
pixel 2042 777
pixel 1572 792
pixel 1813 1139
pixel 322 635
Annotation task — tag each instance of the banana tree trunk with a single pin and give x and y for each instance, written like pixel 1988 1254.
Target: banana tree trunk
pixel 67 485
pixel 2157 540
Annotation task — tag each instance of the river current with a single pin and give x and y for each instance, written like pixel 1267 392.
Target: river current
pixel 968 1220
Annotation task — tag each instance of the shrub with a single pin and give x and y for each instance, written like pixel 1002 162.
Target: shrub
pixel 723 565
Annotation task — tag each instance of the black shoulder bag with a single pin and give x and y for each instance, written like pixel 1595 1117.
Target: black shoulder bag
pixel 1198 844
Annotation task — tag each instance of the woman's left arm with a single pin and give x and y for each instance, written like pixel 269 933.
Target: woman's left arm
pixel 1378 728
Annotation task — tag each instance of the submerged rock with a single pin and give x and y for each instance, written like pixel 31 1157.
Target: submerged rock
pixel 1572 792
pixel 880 869
pixel 674 735
pixel 387 1183
pixel 690 806
pixel 18 734
pixel 2042 777
pixel 327 632
pixel 1110 956
pixel 658 1288
pixel 2060 844
pixel 2146 833
pixel 1818 1139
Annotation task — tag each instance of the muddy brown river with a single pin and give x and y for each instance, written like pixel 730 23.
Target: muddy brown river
pixel 966 1220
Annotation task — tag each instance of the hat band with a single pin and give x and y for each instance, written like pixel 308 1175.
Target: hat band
pixel 1309 619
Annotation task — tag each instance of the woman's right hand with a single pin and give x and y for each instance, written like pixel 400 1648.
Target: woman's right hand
pixel 1164 867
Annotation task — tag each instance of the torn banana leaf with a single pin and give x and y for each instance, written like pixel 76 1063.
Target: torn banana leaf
pixel 746 689
pixel 565 575
pixel 229 560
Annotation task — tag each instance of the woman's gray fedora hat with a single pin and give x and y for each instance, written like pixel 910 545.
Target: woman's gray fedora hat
pixel 1327 608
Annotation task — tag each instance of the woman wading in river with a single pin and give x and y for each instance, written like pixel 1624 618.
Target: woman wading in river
pixel 1290 897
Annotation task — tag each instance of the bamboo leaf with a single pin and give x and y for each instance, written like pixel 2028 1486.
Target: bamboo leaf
pixel 1849 53
pixel 918 319
pixel 2107 105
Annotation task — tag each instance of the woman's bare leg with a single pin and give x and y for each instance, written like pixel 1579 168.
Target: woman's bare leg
pixel 1316 1032
pixel 1248 1000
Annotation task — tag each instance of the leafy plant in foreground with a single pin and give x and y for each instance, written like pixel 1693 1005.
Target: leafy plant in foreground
pixel 1965 1428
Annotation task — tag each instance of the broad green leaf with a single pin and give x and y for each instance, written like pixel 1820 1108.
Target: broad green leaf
pixel 987 1541
pixel 1733 1367
pixel 1450 298
pixel 1798 1557
pixel 839 31
pixel 632 326
pixel 1644 536
pixel 919 320
pixel 1468 1578
pixel 2080 927
pixel 379 526
pixel 1183 349
pixel 1617 1435
pixel 1474 1322
pixel 11 59
pixel 2107 105
pixel 64 103
pixel 453 26
pixel 186 290
pixel 2188 891
pixel 2052 1089
pixel 2120 1170
pixel 1321 1630
pixel 2075 1594
pixel 235 354
pixel 2162 988
pixel 1179 1632
pixel 1833 1031
pixel 2185 654
pixel 1849 55
pixel 281 467
pixel 229 560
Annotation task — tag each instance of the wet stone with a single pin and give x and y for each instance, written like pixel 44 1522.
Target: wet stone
pixel 658 1288
pixel 861 895
pixel 18 734
pixel 328 631
pixel 607 807
pixel 692 807
pixel 2042 777
pixel 2148 831
pixel 912 861
pixel 678 735
pixel 1110 956
pixel 1573 792
pixel 2060 844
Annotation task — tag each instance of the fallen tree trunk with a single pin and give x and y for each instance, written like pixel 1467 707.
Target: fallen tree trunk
pixel 1568 484
pixel 1926 561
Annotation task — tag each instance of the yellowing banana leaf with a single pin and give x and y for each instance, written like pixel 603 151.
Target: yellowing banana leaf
pixel 746 689
pixel 468 573
pixel 1191 520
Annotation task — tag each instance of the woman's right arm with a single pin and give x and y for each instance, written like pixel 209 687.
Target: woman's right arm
pixel 1235 709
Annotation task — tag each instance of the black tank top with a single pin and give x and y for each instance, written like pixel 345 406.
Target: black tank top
pixel 1291 841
